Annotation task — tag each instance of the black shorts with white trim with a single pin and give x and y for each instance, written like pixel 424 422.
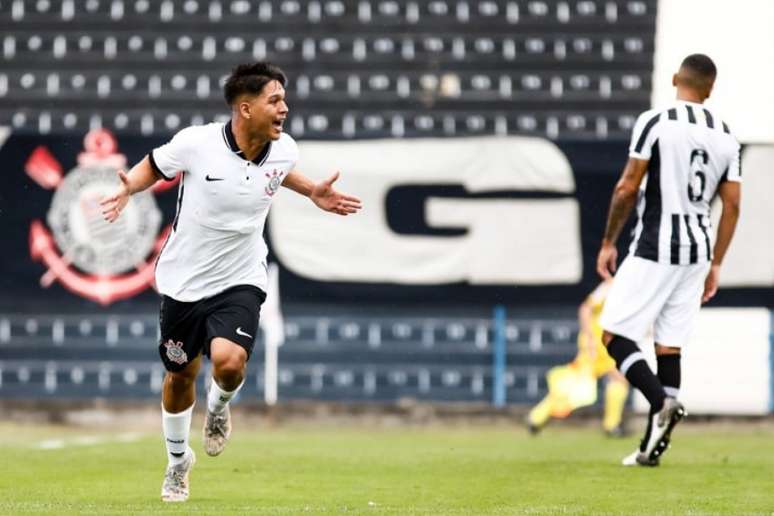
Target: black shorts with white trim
pixel 187 329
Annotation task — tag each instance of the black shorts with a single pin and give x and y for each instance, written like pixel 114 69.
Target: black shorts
pixel 188 328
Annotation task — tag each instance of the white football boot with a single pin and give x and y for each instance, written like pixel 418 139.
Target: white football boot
pixel 217 430
pixel 175 486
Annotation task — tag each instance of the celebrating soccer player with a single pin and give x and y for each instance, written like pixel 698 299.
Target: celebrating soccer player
pixel 212 269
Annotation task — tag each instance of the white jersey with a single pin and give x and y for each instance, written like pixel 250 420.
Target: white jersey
pixel 223 200
pixel 690 152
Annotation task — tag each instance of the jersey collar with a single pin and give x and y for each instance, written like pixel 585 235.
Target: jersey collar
pixel 228 136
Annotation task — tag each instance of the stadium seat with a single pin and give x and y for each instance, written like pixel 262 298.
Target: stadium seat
pixel 343 358
pixel 469 67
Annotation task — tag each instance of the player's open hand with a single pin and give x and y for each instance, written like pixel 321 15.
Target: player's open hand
pixel 328 199
pixel 113 204
pixel 606 260
pixel 711 283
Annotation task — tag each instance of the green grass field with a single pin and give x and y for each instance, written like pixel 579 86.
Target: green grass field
pixel 370 469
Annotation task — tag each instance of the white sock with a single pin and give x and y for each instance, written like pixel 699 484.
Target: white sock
pixel 176 429
pixel 217 398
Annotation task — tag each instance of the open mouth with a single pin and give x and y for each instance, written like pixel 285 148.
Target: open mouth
pixel 277 124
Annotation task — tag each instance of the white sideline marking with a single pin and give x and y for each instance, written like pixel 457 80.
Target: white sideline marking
pixel 86 440
pixel 51 444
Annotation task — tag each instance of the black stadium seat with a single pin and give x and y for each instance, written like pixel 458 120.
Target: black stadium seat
pixel 358 68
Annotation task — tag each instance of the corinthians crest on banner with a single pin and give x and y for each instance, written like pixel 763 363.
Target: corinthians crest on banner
pixel 90 257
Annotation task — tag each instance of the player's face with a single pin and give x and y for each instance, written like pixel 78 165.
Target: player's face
pixel 268 111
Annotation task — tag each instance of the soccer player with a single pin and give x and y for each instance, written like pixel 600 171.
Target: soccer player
pixel 687 155
pixel 574 385
pixel 212 270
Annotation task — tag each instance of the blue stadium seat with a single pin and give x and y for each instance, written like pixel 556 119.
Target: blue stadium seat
pixel 330 357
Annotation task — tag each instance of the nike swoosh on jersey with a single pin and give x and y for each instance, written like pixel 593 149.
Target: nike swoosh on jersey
pixel 242 333
pixel 208 178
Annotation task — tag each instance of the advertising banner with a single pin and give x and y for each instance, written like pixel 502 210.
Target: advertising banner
pixel 475 221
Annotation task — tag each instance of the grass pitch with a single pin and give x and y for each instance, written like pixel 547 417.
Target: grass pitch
pixel 368 469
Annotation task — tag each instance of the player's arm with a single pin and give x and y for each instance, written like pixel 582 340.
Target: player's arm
pixel 621 205
pixel 730 195
pixel 140 177
pixel 322 194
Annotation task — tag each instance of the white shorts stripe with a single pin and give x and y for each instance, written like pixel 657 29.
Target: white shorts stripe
pixel 630 360
pixel 671 391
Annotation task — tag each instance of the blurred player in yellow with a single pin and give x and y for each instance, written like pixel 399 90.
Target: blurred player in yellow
pixel 574 385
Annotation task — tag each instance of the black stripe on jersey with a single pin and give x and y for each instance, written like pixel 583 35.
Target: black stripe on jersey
pixel 156 168
pixel 706 235
pixel 174 223
pixel 691 116
pixel 179 203
pixel 726 129
pixel 724 177
pixel 645 131
pixel 647 244
pixel 672 114
pixel 694 254
pixel 674 242
pixel 710 120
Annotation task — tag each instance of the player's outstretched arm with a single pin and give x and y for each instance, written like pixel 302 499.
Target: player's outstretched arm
pixel 624 198
pixel 140 177
pixel 730 194
pixel 322 194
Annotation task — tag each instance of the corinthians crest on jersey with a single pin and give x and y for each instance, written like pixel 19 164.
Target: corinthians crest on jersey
pixel 275 180
pixel 87 255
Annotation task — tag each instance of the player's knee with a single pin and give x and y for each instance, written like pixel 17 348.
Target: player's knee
pixel 180 381
pixel 229 370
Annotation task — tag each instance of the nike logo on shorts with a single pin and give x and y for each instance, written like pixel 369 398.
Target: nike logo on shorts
pixel 208 178
pixel 242 333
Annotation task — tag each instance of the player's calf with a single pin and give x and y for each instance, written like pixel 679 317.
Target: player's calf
pixel 631 362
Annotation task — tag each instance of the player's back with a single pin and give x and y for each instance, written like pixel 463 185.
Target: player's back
pixel 691 151
pixel 696 151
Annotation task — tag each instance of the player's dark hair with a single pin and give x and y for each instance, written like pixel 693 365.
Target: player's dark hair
pixel 701 67
pixel 250 78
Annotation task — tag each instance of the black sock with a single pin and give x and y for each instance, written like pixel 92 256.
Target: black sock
pixel 631 362
pixel 669 373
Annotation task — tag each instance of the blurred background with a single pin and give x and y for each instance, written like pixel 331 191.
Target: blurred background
pixel 484 138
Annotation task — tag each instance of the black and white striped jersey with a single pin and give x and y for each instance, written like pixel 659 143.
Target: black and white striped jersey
pixel 690 152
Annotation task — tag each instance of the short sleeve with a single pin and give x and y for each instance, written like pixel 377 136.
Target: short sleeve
pixel 644 135
pixel 175 155
pixel 734 170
